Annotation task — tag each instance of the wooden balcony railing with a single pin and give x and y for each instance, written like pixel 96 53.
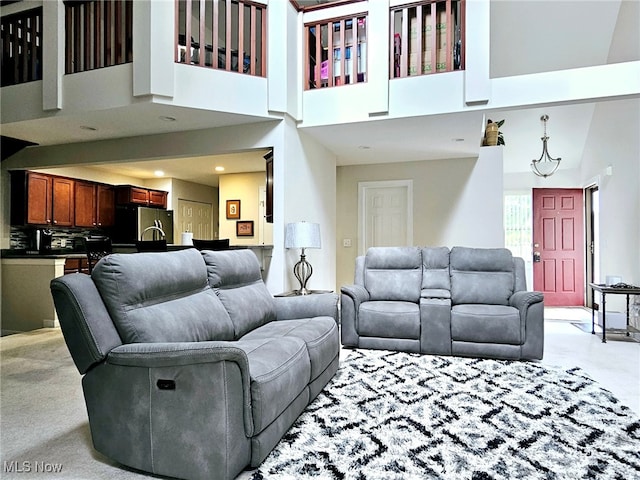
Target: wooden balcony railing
pixel 225 27
pixel 98 33
pixel 336 52
pixel 427 37
pixel 22 47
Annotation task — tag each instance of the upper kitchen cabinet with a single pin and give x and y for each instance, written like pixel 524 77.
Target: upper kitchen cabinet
pixel 95 205
pixel 38 199
pixel 269 200
pixel 157 198
pixel 130 195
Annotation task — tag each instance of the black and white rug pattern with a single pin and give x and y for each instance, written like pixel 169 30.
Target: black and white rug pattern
pixel 392 415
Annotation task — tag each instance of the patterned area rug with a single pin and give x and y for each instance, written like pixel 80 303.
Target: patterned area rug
pixel 390 415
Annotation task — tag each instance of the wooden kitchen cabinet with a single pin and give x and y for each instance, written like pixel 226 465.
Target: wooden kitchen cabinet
pixel 157 198
pixel 76 265
pixel 128 194
pixel 269 197
pixel 106 205
pixel 95 205
pixel 63 201
pixel 85 204
pixel 39 199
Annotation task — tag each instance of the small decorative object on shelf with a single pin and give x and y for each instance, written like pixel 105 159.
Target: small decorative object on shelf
pixel 492 134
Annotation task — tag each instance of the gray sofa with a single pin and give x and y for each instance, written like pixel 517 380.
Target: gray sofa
pixel 191 368
pixel 463 301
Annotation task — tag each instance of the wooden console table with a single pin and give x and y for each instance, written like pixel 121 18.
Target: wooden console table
pixel 605 290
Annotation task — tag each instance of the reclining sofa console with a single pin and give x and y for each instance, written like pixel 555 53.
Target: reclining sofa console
pixel 191 368
pixel 463 301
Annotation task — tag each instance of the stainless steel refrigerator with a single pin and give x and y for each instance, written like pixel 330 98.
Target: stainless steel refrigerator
pixel 134 222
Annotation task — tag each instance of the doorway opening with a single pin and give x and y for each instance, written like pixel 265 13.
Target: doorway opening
pixel 592 210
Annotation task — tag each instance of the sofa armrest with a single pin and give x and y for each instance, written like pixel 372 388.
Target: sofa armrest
pixel 531 308
pixel 350 300
pixel 357 293
pixel 85 322
pixel 307 306
pixel 523 300
pixel 154 355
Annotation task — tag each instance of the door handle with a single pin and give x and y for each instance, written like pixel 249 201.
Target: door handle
pixel 536 257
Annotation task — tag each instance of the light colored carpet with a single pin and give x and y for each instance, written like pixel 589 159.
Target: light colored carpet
pixel 43 420
pixel 404 416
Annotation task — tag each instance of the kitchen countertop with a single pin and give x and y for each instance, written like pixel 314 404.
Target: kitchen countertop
pixel 70 253
pixel 57 253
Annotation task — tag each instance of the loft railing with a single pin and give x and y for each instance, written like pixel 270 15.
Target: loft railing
pixel 336 52
pixel 98 33
pixel 225 27
pixel 427 37
pixel 22 47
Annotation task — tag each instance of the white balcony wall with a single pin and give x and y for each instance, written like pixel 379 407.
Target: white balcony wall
pixel 402 97
pixel 219 90
pixel 153 76
pixel 453 92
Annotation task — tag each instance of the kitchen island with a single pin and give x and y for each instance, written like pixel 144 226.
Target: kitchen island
pixel 26 298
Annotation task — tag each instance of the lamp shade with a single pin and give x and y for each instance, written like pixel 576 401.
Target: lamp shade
pixel 302 235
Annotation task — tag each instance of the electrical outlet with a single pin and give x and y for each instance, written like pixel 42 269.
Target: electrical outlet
pixel 346 242
pixel 63 243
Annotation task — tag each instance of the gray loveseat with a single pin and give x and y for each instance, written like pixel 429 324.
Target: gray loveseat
pixel 463 301
pixel 191 368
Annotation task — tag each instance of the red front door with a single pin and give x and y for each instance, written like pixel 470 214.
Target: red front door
pixel 558 246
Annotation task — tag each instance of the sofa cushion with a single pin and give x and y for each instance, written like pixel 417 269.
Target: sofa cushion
pixel 389 319
pixel 481 275
pixel 280 370
pixel 486 324
pixel 161 297
pixel 393 273
pixel 236 278
pixel 320 334
pixel 435 268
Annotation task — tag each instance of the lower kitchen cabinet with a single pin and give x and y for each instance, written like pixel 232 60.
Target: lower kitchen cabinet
pixel 76 265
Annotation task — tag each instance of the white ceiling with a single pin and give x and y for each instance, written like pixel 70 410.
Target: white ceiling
pixel 192 169
pixel 526 37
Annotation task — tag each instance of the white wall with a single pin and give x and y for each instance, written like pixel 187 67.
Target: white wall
pixel 309 194
pixel 455 202
pixel 246 188
pixel 613 140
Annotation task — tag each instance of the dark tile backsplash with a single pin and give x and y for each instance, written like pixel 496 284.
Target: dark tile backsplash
pixel 74 237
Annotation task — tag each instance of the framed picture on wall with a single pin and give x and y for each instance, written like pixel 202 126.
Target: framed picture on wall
pixel 244 228
pixel 233 209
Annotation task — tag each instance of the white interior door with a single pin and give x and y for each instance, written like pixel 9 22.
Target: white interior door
pixel 385 214
pixel 196 217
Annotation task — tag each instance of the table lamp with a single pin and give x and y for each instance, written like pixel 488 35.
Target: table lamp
pixel 302 235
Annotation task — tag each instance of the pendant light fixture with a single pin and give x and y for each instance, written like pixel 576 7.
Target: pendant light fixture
pixel 545 166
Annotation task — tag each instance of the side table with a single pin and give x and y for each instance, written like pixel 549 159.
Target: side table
pixel 294 293
pixel 605 290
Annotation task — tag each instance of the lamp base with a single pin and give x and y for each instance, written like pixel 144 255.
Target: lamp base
pixel 303 270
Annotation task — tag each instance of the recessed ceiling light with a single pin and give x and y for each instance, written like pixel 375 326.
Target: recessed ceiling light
pixel 457 139
pixel 167 119
pixel 364 147
pixel 219 169
pixel 87 127
pixel 159 173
